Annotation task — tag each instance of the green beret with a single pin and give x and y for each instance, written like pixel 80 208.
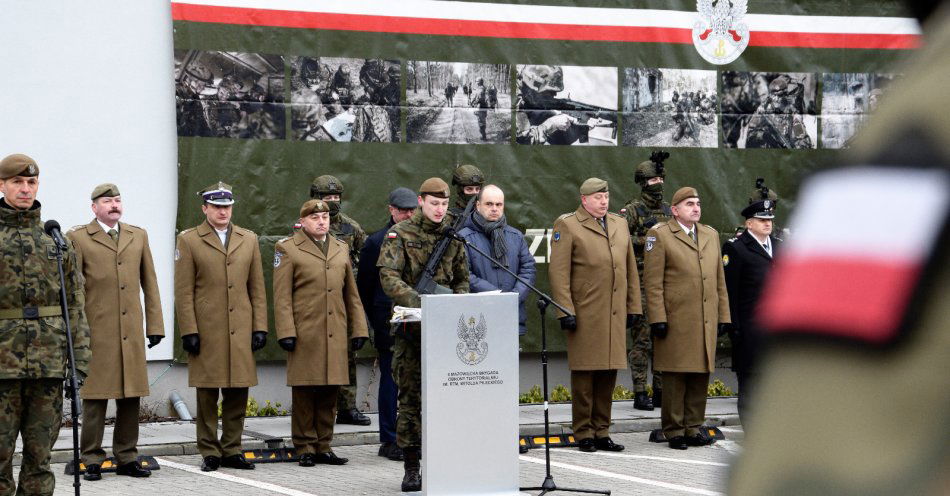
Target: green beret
pixel 313 206
pixel 18 165
pixel 106 189
pixel 593 185
pixel 684 193
pixel 434 186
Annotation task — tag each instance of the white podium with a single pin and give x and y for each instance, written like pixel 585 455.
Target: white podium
pixel 470 394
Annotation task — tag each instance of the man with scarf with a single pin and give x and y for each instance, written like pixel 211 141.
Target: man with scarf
pixel 330 189
pixel 642 214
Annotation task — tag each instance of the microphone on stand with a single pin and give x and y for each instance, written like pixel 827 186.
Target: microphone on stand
pixel 53 230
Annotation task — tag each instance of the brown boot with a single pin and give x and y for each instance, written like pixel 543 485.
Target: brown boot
pixel 412 480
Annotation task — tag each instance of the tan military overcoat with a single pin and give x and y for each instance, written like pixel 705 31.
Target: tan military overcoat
pixel 595 276
pixel 316 301
pixel 686 288
pixel 115 277
pixel 220 295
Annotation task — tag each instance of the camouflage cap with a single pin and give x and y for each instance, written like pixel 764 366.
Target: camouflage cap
pixel 218 193
pixel 18 164
pixel 684 193
pixel 326 185
pixel 593 185
pixel 313 206
pixel 105 189
pixel 403 198
pixel 434 186
pixel 467 175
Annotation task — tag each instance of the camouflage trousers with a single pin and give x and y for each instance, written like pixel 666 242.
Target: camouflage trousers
pixel 33 409
pixel 407 372
pixel 639 356
pixel 346 398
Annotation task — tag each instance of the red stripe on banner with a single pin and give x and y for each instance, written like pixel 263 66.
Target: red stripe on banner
pixel 858 298
pixel 498 29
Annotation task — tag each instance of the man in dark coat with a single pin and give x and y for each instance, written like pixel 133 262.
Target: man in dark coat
pixel 747 260
pixel 378 307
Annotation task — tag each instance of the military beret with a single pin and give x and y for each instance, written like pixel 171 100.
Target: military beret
pixel 105 189
pixel 593 185
pixel 434 186
pixel 218 194
pixel 684 193
pixel 403 198
pixel 313 206
pixel 18 164
pixel 762 209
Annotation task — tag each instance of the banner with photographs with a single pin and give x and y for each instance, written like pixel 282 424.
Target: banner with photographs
pixel 539 96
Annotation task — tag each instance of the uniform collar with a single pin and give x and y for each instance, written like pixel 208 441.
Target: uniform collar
pixel 19 218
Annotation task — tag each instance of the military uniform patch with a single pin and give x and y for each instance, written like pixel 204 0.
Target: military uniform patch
pixel 650 241
pixel 725 260
pixel 177 254
pixel 391 235
pixel 557 235
pixel 277 256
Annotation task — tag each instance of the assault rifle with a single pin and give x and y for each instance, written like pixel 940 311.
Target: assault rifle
pixel 426 283
pixel 580 129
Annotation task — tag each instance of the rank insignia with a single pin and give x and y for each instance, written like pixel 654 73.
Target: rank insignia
pixel 650 241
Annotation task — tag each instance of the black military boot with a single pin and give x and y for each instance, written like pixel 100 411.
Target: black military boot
pixel 93 472
pixel 642 402
pixel 412 480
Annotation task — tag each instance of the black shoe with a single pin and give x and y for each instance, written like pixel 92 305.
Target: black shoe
pixel 352 416
pixel 642 402
pixel 522 448
pixel 237 461
pixel 607 444
pixel 132 469
pixel 93 472
pixel 678 442
pixel 210 463
pixel 330 458
pixel 587 445
pixel 307 460
pixel 395 453
pixel 699 439
pixel 657 398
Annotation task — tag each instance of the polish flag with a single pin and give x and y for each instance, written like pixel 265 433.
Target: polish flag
pixel 861 238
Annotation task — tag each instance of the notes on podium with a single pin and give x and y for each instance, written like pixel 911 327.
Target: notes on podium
pixel 470 394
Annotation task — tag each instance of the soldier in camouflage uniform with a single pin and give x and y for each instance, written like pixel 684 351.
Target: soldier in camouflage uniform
pixel 342 227
pixel 779 122
pixel 642 214
pixel 33 348
pixel 468 181
pixel 403 256
pixel 373 120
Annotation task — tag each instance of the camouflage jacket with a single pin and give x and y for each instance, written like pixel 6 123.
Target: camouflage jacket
pixel 35 348
pixel 404 254
pixel 347 230
pixel 640 218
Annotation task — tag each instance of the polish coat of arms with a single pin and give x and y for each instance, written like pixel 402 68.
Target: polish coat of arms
pixel 472 348
pixel 719 34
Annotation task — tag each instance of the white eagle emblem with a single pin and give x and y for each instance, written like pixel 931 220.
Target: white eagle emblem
pixel 719 35
pixel 472 348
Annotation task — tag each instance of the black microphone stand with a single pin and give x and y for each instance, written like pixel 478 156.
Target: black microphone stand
pixel 544 300
pixel 73 386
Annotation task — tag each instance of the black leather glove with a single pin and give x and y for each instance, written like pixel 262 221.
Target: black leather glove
pixel 258 340
pixel 632 320
pixel 154 340
pixel 568 323
pixel 191 343
pixel 725 328
pixel 658 330
pixel 288 344
pixel 67 385
pixel 357 343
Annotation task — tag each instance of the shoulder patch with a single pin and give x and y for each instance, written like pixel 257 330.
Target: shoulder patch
pixel 556 236
pixel 177 254
pixel 725 260
pixel 391 235
pixel 651 240
pixel 278 255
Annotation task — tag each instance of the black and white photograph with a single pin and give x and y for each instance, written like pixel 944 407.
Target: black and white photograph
pixel 847 100
pixel 769 110
pixel 566 105
pixel 670 108
pixel 457 102
pixel 345 99
pixel 229 94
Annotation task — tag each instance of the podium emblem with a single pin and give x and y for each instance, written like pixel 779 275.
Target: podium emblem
pixel 472 348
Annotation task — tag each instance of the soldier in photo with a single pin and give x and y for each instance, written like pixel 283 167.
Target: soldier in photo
pixel 402 259
pixel 778 121
pixel 542 118
pixel 312 101
pixel 641 214
pixel 468 181
pixel 479 100
pixel 592 275
pixel 221 304
pixel 223 114
pixel 319 317
pixel 747 260
pixel 190 114
pixel 342 227
pixel 116 262
pixel 33 347
pixel 373 122
pixel 688 307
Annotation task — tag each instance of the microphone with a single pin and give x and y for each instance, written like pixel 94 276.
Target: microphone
pixel 52 229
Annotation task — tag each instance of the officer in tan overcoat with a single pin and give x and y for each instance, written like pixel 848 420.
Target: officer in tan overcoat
pixel 318 316
pixel 593 274
pixel 221 307
pixel 116 262
pixel 687 304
